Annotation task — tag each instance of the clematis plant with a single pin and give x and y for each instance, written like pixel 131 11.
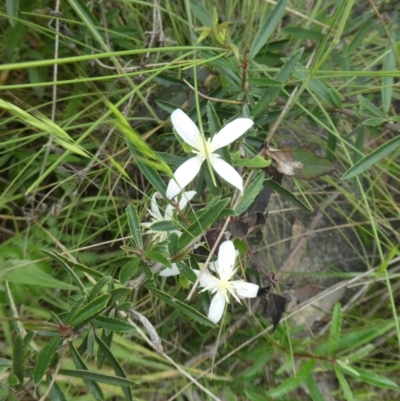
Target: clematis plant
pixel 156 215
pixel 188 131
pixel 222 285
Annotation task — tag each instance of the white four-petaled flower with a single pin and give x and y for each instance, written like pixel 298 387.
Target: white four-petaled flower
pixel 188 131
pixel 222 285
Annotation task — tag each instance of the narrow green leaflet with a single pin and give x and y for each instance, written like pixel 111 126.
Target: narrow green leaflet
pixel 250 193
pixel 267 28
pixel 92 386
pixel 44 358
pixel 366 162
pixel 12 10
pixel 335 328
pixel 98 287
pixel 314 390
pixel 149 172
pixel 206 218
pixel 158 257
pixel 56 394
pixel 287 195
pixel 128 270
pixel 90 310
pixel 366 105
pixel 283 76
pixel 134 225
pixel 213 122
pixel 165 225
pixel 256 162
pixel 18 359
pixel 98 377
pixel 344 385
pixel 293 382
pixel 112 324
pixel 67 267
pixel 389 64
pixel 183 308
pixel 115 365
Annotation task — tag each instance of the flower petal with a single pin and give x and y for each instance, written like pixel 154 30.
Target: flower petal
pixel 186 197
pixel 155 210
pixel 183 175
pixel 173 271
pixel 232 131
pixel 217 307
pixel 169 211
pixel 227 172
pixel 186 128
pixel 245 290
pixel 226 260
pixel 207 280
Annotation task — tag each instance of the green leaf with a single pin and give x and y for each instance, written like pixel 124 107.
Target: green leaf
pixel 314 390
pixel 335 98
pixel 118 294
pixel 187 272
pixel 183 308
pixel 56 394
pixel 134 225
pixel 389 64
pixel 287 195
pixel 250 193
pixel 313 165
pixel 344 385
pixel 293 382
pixel 98 377
pixel 98 287
pixel 149 172
pixel 371 378
pixel 267 28
pixel 44 358
pixel 112 324
pixel 158 257
pixel 57 257
pixel 115 365
pixel 366 105
pixel 165 225
pixel 283 75
pixel 30 273
pixel 92 386
pixel 18 360
pixel 214 125
pixel 205 218
pixel 12 10
pixel 129 269
pixel 335 329
pixel 375 121
pixel 301 33
pixel 373 158
pixel 90 310
pixel 256 162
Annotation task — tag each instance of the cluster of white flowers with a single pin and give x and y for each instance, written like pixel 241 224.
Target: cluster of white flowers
pixel 220 284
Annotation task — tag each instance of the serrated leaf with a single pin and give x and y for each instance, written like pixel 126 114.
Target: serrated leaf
pixel 115 365
pixel 250 194
pixel 287 195
pixel 335 328
pixel 44 358
pixel 128 270
pixel 158 257
pixel 112 324
pixel 373 158
pixel 18 359
pixel 134 225
pixel 92 386
pixel 98 377
pixel 205 218
pixel 294 381
pixel 267 28
pixel 90 310
pixel 183 308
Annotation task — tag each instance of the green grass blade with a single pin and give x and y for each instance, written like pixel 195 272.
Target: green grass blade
pixel 335 328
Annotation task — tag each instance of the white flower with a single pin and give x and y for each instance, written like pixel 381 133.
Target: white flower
pixel 188 131
pixel 156 215
pixel 221 286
